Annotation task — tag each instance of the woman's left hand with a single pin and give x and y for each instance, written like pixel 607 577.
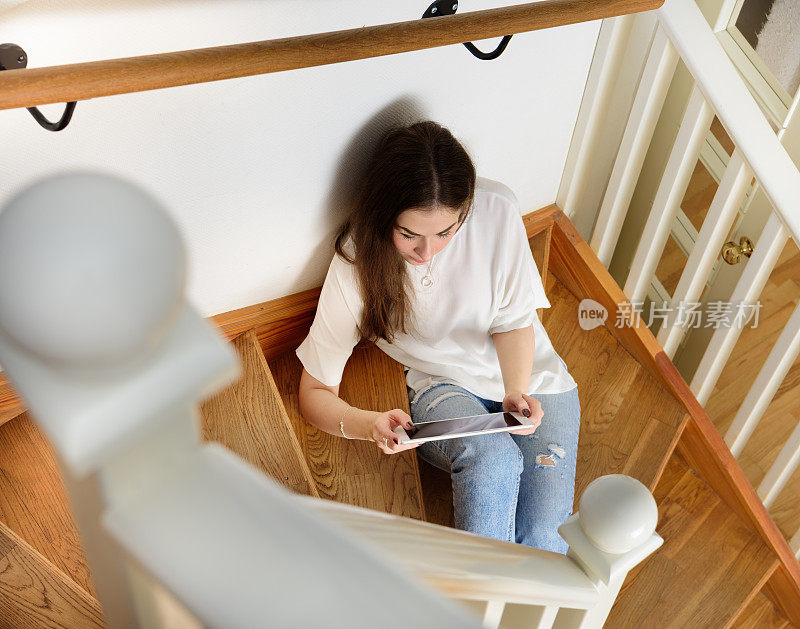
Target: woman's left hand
pixel 528 406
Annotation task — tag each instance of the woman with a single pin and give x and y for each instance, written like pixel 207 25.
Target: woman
pixel 435 268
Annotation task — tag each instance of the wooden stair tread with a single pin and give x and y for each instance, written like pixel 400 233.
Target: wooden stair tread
pixel 709 566
pixel 34 593
pixel 354 471
pixel 629 421
pixel 33 501
pixel 761 614
pixel 248 417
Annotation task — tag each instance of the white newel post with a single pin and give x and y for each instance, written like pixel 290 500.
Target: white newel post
pixel 612 532
pixel 97 337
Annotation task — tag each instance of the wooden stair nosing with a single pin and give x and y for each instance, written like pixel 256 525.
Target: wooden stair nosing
pixel 760 614
pixel 34 593
pixel 575 263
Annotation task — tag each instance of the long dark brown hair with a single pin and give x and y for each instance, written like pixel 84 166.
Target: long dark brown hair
pixel 416 166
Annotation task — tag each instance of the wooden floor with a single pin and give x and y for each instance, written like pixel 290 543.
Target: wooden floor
pixel 709 563
pixel 629 423
pixel 356 471
pixel 33 502
pixel 761 614
pixel 33 593
pixel 780 296
pixel 248 418
pixel 44 579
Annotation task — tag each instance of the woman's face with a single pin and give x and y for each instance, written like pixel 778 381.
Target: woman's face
pixel 421 233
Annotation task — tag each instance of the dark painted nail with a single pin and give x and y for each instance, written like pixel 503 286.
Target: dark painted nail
pixel 526 412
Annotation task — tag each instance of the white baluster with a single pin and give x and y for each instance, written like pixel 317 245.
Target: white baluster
pixel 782 469
pixel 528 616
pixel 749 286
pixel 647 104
pixel 683 157
pixel 717 224
pixel 548 617
pixel 766 385
pixel 493 614
pixel 611 42
pixel 724 16
pixel 728 95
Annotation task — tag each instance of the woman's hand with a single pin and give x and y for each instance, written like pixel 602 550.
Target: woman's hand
pixel 383 431
pixel 528 406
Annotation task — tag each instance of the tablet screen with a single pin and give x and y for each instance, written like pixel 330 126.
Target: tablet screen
pixel 462 424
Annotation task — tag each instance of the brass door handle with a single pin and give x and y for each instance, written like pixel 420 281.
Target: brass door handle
pixel 732 253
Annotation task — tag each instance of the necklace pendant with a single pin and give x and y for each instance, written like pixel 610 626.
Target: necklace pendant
pixel 426 281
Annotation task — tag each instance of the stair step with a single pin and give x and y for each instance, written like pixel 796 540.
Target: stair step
pixel 351 471
pixel 33 501
pixel 34 593
pixel 709 566
pixel 761 614
pixel 629 422
pixel 248 418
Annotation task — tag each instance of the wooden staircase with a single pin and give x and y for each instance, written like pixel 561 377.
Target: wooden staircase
pixel 710 572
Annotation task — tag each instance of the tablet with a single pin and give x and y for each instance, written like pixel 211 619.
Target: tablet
pixel 463 427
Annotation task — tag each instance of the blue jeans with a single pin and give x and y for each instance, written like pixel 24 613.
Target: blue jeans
pixel 508 487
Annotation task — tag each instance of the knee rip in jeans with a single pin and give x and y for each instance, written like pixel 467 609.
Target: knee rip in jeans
pixel 548 460
pixel 418 394
pixel 444 396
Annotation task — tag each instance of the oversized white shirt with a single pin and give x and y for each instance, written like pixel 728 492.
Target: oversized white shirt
pixel 484 281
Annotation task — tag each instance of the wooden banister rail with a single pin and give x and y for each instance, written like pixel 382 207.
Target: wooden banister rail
pixel 80 81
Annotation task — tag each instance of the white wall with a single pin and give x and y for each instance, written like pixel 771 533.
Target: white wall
pixel 254 170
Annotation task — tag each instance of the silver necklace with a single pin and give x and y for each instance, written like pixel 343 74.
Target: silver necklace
pixel 427 279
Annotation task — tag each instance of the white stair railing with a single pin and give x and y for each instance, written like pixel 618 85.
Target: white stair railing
pixel 717 224
pixel 682 32
pixel 96 336
pixel 694 126
pixel 647 104
pixel 513 585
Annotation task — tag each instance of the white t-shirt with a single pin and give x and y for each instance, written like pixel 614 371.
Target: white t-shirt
pixel 484 281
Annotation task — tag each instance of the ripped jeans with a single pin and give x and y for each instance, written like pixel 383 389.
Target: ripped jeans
pixel 508 487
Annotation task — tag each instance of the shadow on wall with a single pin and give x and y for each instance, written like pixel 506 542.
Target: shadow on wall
pixel 359 151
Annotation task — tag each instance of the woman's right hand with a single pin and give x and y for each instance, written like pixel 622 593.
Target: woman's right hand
pixel 383 428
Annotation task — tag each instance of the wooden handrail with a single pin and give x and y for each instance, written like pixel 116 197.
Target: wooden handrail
pixel 79 81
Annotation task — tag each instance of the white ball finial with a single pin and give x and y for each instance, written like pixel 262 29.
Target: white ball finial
pixel 92 271
pixel 617 513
